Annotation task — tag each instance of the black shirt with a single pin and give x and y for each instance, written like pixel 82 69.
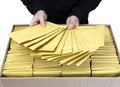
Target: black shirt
pixel 58 10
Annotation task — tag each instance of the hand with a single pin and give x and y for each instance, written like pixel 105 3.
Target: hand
pixel 72 21
pixel 39 17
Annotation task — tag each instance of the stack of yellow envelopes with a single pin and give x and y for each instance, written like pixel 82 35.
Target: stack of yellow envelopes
pixel 81 71
pixel 43 68
pixel 56 43
pixel 105 59
pixel 71 53
pixel 18 61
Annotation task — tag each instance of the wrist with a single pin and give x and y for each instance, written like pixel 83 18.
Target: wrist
pixel 41 11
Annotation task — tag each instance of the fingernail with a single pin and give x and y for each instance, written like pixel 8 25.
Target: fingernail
pixel 31 25
pixel 43 25
pixel 70 27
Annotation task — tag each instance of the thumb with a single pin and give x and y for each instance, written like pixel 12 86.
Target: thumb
pixel 42 21
pixel 71 26
pixel 34 21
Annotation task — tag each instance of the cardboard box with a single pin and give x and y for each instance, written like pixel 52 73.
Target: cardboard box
pixel 59 81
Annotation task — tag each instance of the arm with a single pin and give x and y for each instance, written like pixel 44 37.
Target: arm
pixel 33 5
pixel 36 8
pixel 82 9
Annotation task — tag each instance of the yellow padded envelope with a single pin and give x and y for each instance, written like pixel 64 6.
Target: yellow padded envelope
pixel 43 42
pixel 33 32
pixel 27 44
pixel 52 45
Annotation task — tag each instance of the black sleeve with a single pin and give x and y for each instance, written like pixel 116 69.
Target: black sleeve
pixel 33 5
pixel 82 9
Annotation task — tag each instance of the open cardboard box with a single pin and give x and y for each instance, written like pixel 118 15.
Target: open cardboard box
pixel 59 81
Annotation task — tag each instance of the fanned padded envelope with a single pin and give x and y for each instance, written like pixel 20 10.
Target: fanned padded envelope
pixel 57 43
pixel 33 32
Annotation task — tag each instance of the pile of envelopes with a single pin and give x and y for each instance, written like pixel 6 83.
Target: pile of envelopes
pixel 105 59
pixel 83 51
pixel 57 43
pixel 19 63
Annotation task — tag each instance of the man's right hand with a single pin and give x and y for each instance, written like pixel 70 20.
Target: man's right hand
pixel 39 17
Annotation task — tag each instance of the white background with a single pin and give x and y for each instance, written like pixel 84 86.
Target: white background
pixel 14 12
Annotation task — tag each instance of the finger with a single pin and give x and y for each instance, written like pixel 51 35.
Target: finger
pixel 34 21
pixel 68 21
pixel 76 23
pixel 42 21
pixel 71 26
pixel 33 24
pixel 75 20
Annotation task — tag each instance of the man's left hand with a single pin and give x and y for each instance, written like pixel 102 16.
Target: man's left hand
pixel 72 21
